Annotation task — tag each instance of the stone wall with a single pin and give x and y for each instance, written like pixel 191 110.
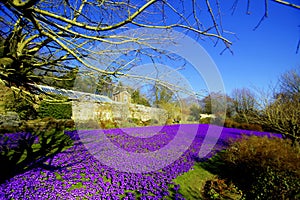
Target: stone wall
pixel 84 111
pixel 9 122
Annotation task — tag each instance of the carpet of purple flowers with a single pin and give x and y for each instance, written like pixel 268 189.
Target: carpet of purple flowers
pixel 76 174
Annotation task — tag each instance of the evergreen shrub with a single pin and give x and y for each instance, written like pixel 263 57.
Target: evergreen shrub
pixel 55 110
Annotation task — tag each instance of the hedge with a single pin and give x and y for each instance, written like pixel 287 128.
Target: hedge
pixel 55 110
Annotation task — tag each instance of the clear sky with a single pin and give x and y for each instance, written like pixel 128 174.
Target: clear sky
pixel 260 56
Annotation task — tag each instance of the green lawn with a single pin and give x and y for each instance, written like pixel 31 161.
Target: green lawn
pixel 192 182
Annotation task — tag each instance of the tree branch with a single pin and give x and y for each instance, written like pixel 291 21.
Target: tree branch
pixel 96 28
pixel 287 4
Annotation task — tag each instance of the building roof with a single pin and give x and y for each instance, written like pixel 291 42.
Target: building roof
pixel 118 92
pixel 72 94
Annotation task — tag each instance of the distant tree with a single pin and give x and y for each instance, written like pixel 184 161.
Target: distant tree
pixel 217 103
pixel 137 98
pixel 195 112
pixel 173 111
pixel 85 83
pixel 282 116
pixel 289 84
pixel 281 112
pixel 207 104
pixel 105 85
pixel 244 102
pixel 162 95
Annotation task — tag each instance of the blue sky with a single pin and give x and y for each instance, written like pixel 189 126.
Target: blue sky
pixel 260 56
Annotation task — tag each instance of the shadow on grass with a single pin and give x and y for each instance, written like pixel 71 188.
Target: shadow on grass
pixel 23 151
pixel 214 164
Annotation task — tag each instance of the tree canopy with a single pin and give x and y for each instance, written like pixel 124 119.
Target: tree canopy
pixel 276 110
pixel 56 36
pixel 52 36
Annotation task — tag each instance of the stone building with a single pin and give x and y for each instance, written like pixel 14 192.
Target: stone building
pixel 122 96
pixel 86 107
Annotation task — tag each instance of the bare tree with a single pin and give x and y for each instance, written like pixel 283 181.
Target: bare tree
pixel 282 116
pixel 244 102
pixel 49 35
pixel 280 109
pixel 55 36
pixel 217 103
pixel 287 3
pixel 289 83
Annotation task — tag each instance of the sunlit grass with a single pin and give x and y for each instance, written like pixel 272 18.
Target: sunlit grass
pixel 192 182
